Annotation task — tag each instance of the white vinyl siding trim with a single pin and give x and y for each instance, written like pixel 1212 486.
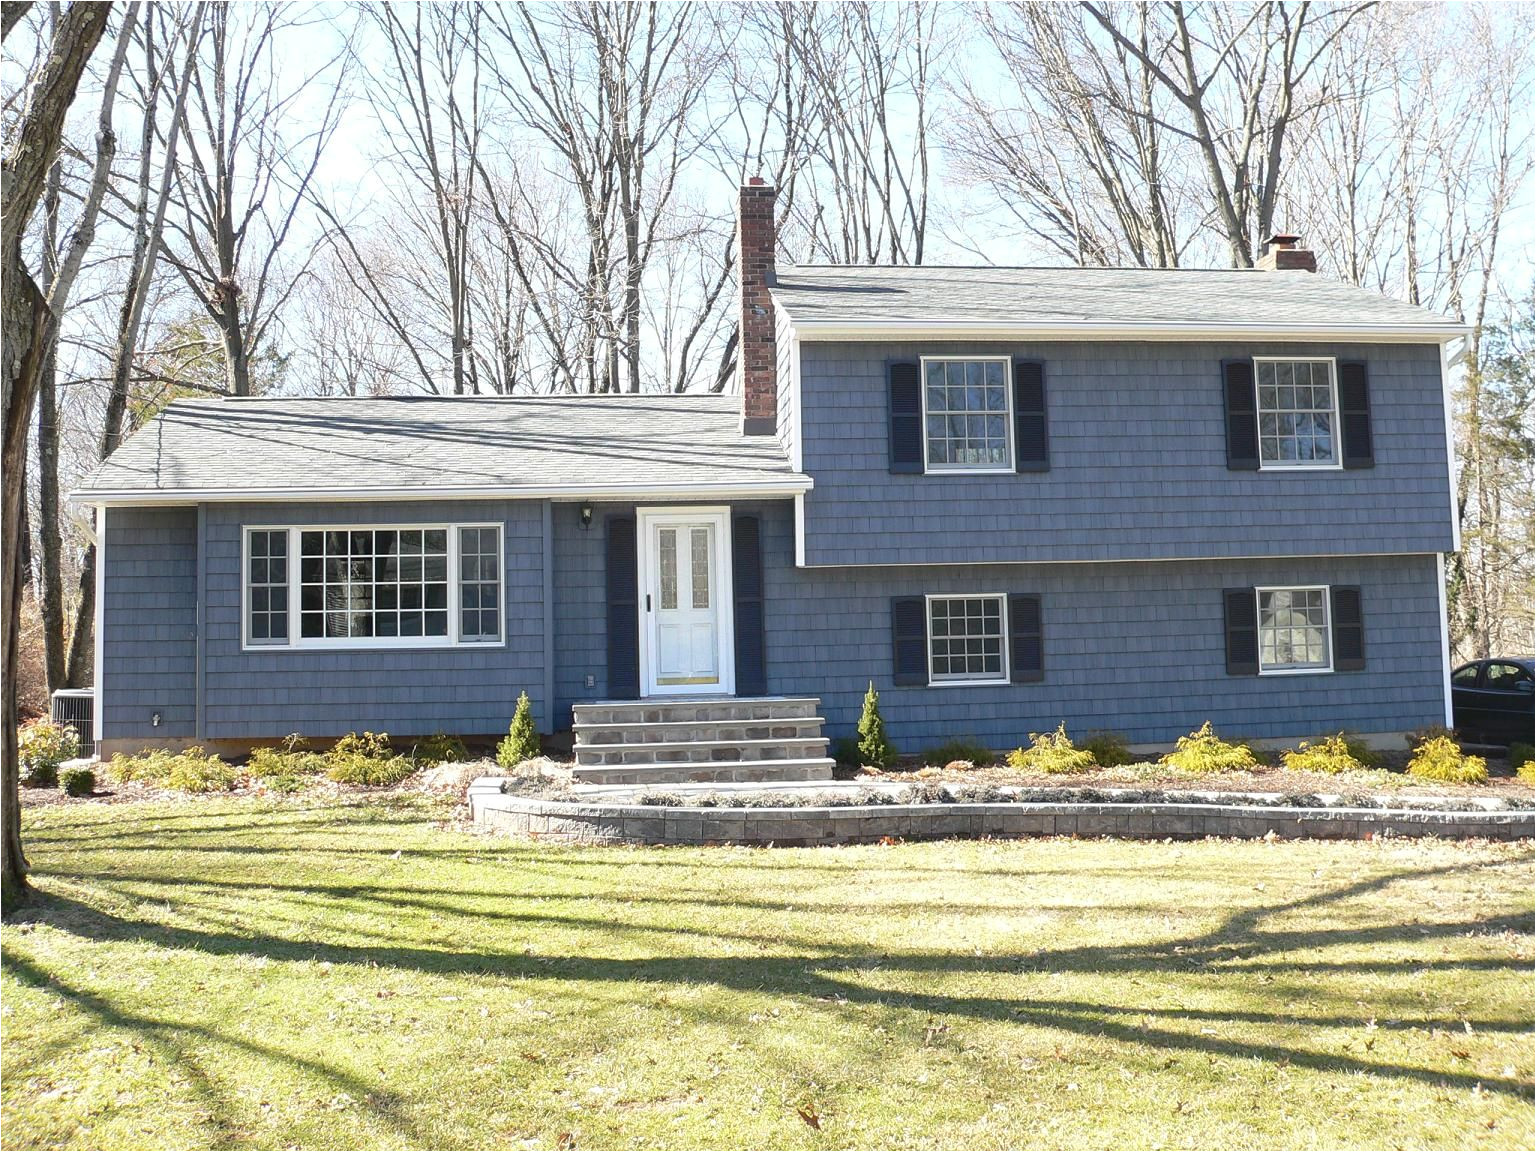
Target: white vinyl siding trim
pixel 1268 460
pixel 454 637
pixel 1315 619
pixel 969 469
pixel 949 679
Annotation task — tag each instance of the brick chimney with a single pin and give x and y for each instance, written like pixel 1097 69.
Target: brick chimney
pixel 757 357
pixel 1281 254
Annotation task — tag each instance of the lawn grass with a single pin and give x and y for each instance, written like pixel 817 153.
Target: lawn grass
pixel 240 972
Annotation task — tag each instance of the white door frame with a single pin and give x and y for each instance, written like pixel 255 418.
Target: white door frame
pixel 646 521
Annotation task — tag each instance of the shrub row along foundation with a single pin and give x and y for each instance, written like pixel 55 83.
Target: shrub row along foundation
pixel 644 824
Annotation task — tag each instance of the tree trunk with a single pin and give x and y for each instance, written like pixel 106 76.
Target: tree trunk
pixel 23 324
pixel 80 671
pixel 50 546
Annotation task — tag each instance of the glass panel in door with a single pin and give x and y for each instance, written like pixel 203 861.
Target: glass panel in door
pixel 686 626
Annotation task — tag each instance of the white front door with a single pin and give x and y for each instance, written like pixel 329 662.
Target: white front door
pixel 685 589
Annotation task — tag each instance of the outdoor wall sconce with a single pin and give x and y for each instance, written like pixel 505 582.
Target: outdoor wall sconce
pixel 586 516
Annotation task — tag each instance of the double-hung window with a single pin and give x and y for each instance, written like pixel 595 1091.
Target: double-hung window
pixel 373 586
pixel 967 639
pixel 1293 630
pixel 1298 413
pixel 967 414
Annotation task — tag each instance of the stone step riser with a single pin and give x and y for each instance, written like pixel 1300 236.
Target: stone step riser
pixel 707 712
pixel 702 752
pixel 729 731
pixel 662 774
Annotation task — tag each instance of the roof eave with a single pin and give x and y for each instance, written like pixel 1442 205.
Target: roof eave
pixel 763 489
pixel 947 329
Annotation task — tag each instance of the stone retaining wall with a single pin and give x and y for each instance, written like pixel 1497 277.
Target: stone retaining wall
pixel 645 824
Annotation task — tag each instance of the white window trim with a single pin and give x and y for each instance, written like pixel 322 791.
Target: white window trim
pixel 297 642
pixel 972 469
pixel 928 600
pixel 1337 432
pixel 1258 611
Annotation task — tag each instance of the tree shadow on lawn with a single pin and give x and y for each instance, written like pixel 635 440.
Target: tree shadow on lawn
pixel 173 1040
pixel 841 975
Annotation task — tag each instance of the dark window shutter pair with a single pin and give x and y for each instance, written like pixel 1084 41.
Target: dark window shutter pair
pixel 909 640
pixel 623 590
pixel 1241 616
pixel 1242 407
pixel 1030 433
pixel 747 576
pixel 624 607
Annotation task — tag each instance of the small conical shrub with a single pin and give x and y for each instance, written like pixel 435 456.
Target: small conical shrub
pixel 875 748
pixel 522 741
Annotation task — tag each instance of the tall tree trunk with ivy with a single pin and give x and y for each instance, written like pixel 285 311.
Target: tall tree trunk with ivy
pixel 23 337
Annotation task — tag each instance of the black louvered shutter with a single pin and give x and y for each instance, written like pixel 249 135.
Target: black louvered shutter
pixel 1355 416
pixel 623 609
pixel 747 576
pixel 1026 647
pixel 1348 628
pixel 1030 433
pixel 1242 625
pixel 909 639
pixel 906 402
pixel 1242 406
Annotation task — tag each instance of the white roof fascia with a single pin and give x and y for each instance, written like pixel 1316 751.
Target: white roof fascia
pixel 139 497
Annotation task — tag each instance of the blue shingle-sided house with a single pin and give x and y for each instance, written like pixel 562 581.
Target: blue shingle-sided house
pixel 1129 500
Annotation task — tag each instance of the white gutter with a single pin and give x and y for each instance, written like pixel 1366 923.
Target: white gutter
pixel 142 497
pixel 1156 330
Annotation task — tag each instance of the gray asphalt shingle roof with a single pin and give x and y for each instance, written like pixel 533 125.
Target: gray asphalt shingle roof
pixel 424 443
pixel 848 294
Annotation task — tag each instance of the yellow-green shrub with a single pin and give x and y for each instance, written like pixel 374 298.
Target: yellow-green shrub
pixel 1441 758
pixel 1051 753
pixel 41 747
pixel 197 771
pixel 440 748
pixel 191 771
pixel 1527 772
pixel 150 767
pixel 291 758
pixel 1202 753
pixel 1108 749
pixel 522 739
pixel 1330 755
pixel 366 758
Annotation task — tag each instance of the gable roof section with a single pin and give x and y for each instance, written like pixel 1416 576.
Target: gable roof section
pixel 427 447
pixel 860 302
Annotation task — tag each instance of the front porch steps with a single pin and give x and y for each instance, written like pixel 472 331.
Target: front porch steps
pixel 694 740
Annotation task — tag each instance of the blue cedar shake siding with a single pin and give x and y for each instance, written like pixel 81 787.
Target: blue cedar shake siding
pixel 1135 648
pixel 151 653
pixel 469 690
pixel 1138 463
pixel 149 623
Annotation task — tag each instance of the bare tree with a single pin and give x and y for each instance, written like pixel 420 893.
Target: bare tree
pixel 243 176
pixel 147 220
pixel 606 92
pixel 1076 149
pixel 30 154
pixel 870 66
pixel 61 263
pixel 427 98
